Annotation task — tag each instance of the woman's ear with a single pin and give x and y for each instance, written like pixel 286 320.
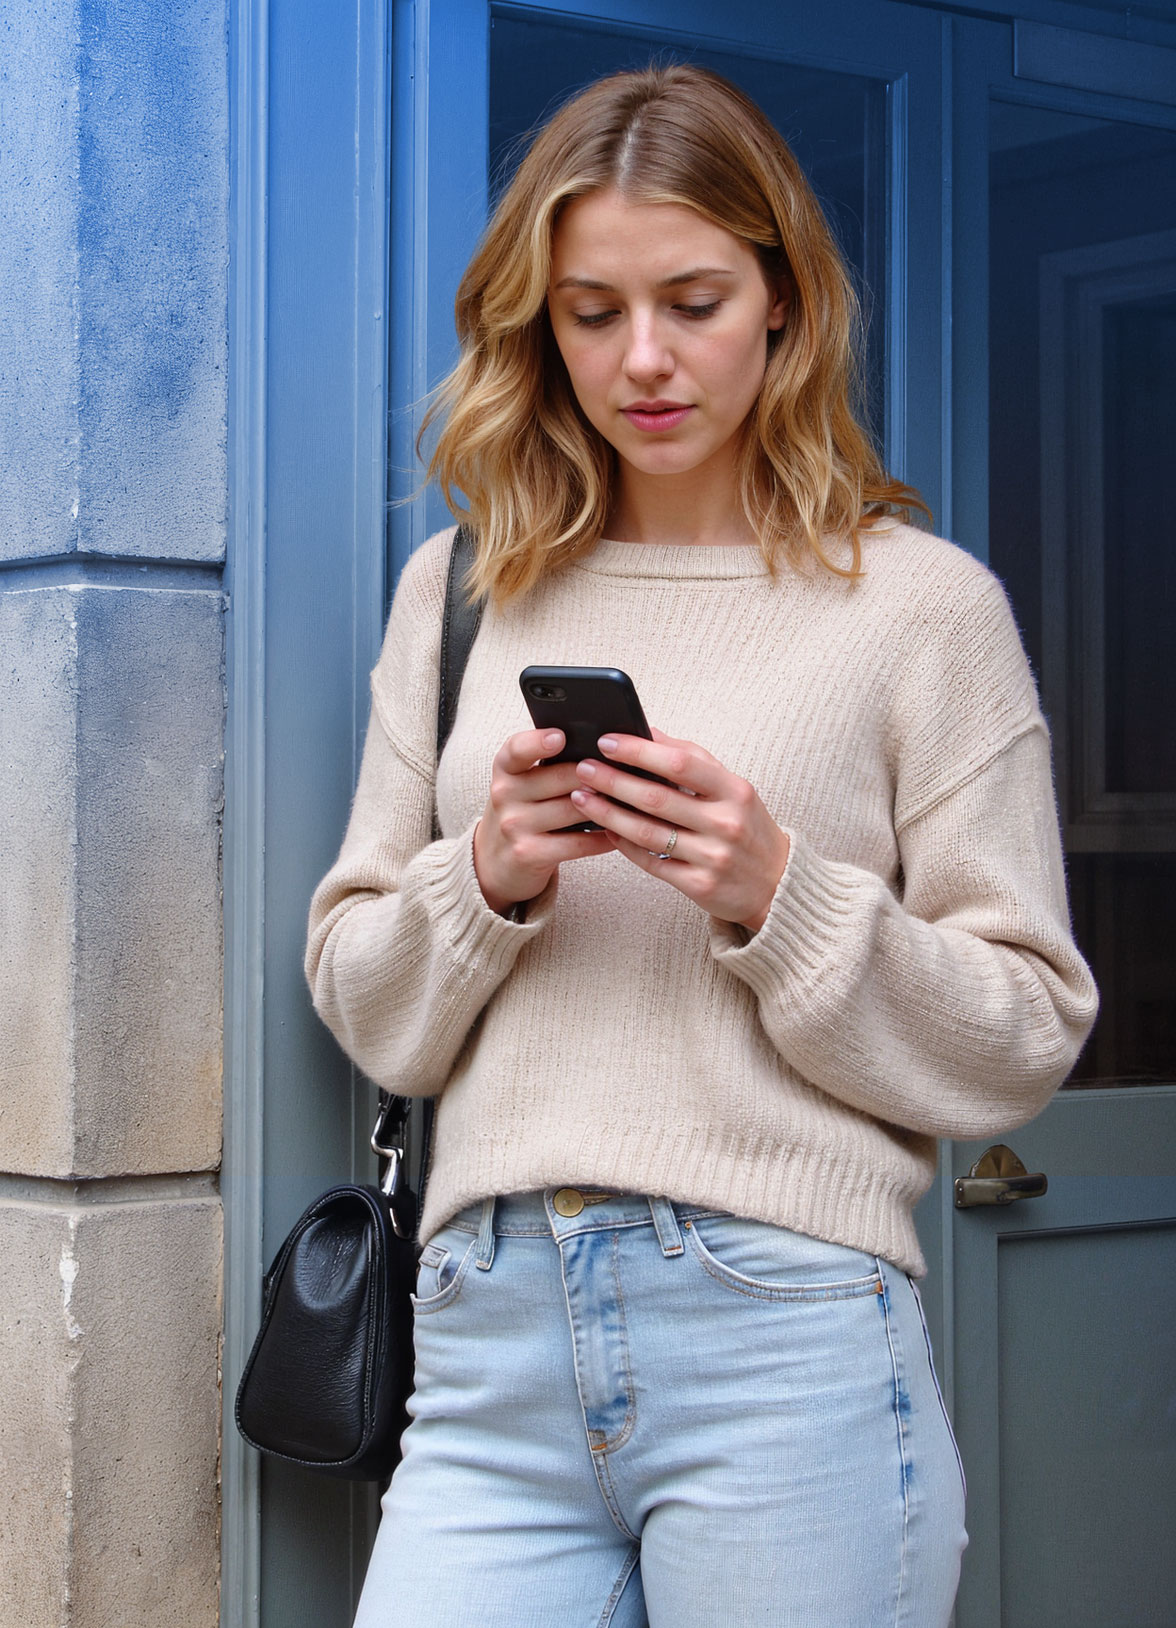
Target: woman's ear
pixel 781 290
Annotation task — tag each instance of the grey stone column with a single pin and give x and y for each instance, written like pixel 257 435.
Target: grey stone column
pixel 113 348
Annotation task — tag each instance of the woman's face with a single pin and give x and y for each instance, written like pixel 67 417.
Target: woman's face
pixel 662 319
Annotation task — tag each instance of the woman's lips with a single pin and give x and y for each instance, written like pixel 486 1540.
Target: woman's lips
pixel 659 416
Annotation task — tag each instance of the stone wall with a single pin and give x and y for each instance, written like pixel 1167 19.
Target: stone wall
pixel 113 347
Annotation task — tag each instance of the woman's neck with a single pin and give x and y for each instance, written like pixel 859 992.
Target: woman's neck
pixel 677 509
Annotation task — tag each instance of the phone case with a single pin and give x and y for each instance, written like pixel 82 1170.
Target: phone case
pixel 586 703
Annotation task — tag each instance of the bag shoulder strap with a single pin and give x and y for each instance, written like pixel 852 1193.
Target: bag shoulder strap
pixel 463 617
pixel 459 628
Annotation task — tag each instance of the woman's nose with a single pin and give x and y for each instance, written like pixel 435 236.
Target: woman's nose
pixel 646 355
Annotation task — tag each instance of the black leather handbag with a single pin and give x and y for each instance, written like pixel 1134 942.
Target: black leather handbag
pixel 330 1371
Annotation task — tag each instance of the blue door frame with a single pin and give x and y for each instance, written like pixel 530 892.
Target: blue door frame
pixel 360 163
pixel 306 582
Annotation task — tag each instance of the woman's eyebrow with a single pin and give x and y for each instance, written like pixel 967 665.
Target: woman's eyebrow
pixel 666 282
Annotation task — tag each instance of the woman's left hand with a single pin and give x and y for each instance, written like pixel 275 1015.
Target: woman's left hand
pixel 728 855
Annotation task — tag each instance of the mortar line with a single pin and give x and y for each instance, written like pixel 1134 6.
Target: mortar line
pixel 88 1192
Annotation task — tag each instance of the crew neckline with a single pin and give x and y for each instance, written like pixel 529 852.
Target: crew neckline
pixel 685 561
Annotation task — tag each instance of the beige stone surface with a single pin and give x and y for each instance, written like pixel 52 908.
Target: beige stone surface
pixel 38 1359
pixel 111 711
pixel 38 661
pixel 109 1414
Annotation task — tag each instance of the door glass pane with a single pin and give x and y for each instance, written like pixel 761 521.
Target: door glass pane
pixel 835 123
pixel 1082 281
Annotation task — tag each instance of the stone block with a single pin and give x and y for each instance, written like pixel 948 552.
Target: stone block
pixel 38 665
pixel 111 710
pixel 38 1359
pixel 114 257
pixel 109 1413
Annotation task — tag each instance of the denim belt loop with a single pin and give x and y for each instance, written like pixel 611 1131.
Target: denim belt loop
pixel 666 1225
pixel 484 1259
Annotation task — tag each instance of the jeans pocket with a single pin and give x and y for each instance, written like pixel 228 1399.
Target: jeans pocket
pixel 773 1263
pixel 442 1269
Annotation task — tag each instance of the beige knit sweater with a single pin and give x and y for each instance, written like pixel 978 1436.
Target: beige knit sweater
pixel 915 977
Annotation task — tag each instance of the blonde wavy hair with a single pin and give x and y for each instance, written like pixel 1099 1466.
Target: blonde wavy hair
pixel 536 477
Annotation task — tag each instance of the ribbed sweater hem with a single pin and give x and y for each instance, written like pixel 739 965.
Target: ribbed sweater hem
pixel 823 1195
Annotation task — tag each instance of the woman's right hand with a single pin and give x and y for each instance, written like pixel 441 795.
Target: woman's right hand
pixel 518 842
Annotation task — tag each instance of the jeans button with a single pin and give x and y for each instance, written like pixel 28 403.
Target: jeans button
pixel 568 1202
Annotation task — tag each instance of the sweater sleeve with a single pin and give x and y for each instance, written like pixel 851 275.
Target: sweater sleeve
pixel 958 1008
pixel 403 950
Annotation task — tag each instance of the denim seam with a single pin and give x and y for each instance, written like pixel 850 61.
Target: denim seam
pixel 608 1493
pixel 939 1389
pixel 851 1289
pixel 895 1368
pixel 598 1454
pixel 618 1587
pixel 630 1419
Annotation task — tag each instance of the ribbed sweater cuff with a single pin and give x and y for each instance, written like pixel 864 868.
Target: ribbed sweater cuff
pixel 806 922
pixel 478 936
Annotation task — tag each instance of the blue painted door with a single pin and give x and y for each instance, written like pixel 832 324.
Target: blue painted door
pixel 1059 1329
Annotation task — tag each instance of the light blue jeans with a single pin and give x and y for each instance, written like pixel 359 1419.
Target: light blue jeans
pixel 653 1414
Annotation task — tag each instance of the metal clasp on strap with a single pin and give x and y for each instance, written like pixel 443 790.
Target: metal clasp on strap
pixel 387 1143
pixel 381 1146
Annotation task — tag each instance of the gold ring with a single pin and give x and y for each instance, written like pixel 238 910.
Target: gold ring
pixel 671 843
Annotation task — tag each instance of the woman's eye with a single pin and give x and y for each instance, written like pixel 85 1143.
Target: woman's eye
pixel 699 311
pixel 592 319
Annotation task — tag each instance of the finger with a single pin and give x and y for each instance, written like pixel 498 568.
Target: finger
pixel 681 762
pixel 555 816
pixel 655 835
pixel 543 782
pixel 522 751
pixel 569 845
pixel 670 870
pixel 649 796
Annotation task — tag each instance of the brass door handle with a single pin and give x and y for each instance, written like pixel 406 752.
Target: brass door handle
pixel 997 1177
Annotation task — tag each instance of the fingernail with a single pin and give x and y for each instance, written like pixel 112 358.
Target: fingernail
pixel 588 767
pixel 580 798
pixel 552 739
pixel 607 743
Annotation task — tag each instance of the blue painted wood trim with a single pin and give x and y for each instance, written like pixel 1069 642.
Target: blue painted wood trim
pixel 1155 22
pixel 438 206
pixel 1084 61
pixel 309 447
pixel 897 261
pixel 945 519
pixel 244 819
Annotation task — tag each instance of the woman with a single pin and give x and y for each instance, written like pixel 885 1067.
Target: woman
pixel 692 1064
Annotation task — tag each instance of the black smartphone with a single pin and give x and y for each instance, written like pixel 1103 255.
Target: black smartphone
pixel 586 703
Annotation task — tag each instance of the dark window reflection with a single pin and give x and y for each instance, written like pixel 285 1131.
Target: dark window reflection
pixel 1083 423
pixel 1140 415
